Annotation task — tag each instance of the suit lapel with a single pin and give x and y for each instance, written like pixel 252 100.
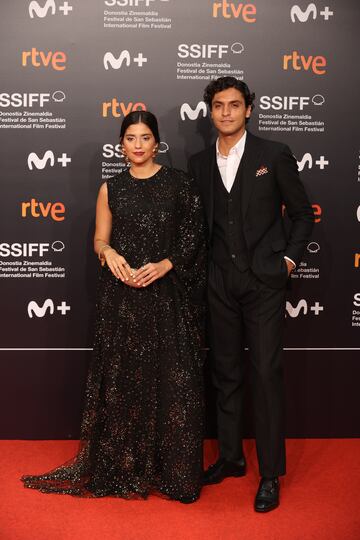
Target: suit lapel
pixel 250 163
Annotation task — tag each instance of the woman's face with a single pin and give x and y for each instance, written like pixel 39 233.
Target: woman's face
pixel 139 144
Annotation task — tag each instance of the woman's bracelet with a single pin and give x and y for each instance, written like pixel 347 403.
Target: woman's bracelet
pixel 102 249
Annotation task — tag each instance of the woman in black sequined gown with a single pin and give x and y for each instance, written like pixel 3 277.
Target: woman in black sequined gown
pixel 142 427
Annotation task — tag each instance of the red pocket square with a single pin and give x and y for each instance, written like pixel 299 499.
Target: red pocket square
pixel 262 170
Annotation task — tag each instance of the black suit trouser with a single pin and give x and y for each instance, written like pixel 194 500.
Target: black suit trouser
pixel 241 308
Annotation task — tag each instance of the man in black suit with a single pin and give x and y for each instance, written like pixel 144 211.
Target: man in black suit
pixel 245 182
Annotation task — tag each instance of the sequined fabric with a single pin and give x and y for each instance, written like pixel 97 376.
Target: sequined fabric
pixel 142 426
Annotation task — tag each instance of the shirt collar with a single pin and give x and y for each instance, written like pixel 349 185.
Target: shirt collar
pixel 238 147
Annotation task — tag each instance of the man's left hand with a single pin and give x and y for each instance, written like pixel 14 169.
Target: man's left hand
pixel 290 266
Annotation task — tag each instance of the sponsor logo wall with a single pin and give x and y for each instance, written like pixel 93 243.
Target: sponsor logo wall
pixel 77 68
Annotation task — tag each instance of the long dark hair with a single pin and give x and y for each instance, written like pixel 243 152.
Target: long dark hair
pixel 140 117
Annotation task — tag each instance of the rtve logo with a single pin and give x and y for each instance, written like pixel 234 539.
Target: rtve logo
pixel 117 108
pixel 193 113
pixel 50 5
pixel 33 308
pixel 308 160
pixel 317 212
pixel 316 209
pixel 56 60
pixel 111 150
pixel 197 50
pixel 303 307
pixel 30 100
pixel 37 209
pixel 17 249
pixel 116 63
pixel 288 103
pixel 299 62
pixel 34 160
pixel 303 15
pixel 236 10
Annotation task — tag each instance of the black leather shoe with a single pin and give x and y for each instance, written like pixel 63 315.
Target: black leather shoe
pixel 223 469
pixel 267 497
pixel 188 500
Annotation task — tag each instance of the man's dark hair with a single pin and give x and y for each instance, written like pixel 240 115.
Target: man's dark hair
pixel 140 117
pixel 223 83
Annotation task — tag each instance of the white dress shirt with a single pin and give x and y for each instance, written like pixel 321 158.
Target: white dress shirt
pixel 228 166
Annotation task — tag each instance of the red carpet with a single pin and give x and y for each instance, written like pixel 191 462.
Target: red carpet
pixel 320 500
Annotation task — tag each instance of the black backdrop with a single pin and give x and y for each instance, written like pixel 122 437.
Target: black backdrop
pixel 69 72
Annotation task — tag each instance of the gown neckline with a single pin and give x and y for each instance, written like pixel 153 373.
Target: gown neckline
pixel 147 178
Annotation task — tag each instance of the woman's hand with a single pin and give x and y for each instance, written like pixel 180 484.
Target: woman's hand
pixel 151 272
pixel 117 264
pixel 131 282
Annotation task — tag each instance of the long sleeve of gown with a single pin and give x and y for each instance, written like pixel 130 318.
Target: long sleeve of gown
pixel 188 251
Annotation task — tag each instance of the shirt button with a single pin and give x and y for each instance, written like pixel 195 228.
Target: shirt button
pixel 230 200
pixel 231 222
pixel 233 256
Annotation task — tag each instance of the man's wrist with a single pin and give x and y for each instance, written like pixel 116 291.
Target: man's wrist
pixel 290 260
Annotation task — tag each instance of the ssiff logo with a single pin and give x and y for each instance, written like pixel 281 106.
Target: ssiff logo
pixel 29 100
pixel 206 50
pixel 31 249
pixel 357 260
pixel 313 247
pixel 56 60
pixel 236 10
pixel 130 3
pixel 39 209
pixel 50 5
pixel 303 15
pixel 193 112
pixel 111 150
pixel 118 108
pixel 288 103
pixel 48 305
pixel 116 62
pixel 49 157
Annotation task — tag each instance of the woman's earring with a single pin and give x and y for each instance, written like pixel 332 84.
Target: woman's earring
pixel 124 155
pixel 155 150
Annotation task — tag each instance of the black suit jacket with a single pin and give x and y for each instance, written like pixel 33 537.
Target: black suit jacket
pixel 269 180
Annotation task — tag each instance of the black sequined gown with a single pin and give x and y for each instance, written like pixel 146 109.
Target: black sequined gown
pixel 142 427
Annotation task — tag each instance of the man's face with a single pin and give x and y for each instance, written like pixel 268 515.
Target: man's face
pixel 229 112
